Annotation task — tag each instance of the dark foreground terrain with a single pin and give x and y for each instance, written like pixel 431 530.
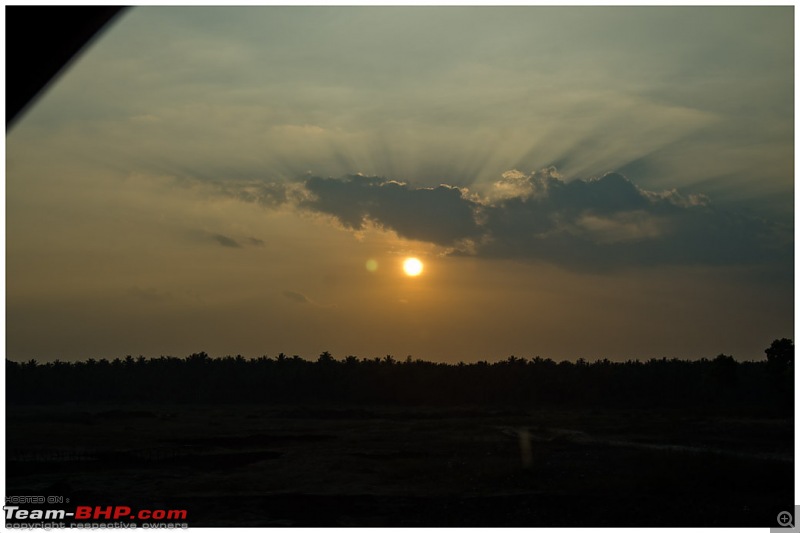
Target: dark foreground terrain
pixel 322 465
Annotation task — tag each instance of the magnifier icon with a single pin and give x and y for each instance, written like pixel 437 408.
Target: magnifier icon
pixel 785 519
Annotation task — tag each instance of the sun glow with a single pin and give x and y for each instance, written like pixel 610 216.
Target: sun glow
pixel 412 266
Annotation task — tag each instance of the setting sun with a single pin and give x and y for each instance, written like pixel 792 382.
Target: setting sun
pixel 412 266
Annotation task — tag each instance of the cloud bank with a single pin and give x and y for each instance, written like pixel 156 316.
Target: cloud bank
pixel 585 224
pixel 439 215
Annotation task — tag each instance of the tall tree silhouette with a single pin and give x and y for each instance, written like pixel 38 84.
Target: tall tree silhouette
pixel 780 354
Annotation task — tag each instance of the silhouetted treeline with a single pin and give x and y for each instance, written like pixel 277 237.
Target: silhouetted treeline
pixel 718 383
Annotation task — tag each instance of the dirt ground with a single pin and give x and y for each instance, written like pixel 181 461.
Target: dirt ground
pixel 324 466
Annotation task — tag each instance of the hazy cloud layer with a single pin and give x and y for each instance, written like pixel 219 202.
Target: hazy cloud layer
pixel 413 94
pixel 592 224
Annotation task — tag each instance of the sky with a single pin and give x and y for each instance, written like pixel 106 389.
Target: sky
pixel 597 182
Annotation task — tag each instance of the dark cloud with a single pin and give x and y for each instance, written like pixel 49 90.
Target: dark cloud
pixel 610 222
pixel 593 224
pixel 259 192
pixel 149 294
pixel 296 297
pixel 440 215
pixel 226 241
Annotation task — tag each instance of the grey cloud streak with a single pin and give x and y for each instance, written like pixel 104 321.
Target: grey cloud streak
pixel 583 224
pixel 296 297
pixel 226 241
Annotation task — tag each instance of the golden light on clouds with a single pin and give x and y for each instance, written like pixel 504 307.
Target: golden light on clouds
pixel 412 267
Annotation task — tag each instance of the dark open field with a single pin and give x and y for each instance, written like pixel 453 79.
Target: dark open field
pixel 321 465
